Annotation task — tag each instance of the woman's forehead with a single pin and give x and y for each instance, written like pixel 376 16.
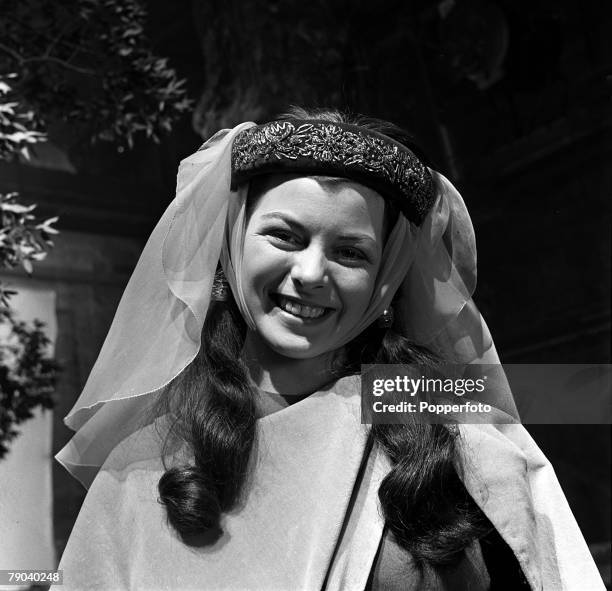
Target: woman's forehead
pixel 333 200
pixel 263 183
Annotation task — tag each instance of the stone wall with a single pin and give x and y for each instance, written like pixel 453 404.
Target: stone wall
pixel 88 273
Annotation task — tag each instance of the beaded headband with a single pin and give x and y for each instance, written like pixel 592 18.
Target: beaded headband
pixel 337 149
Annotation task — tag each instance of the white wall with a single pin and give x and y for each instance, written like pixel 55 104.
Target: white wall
pixel 26 499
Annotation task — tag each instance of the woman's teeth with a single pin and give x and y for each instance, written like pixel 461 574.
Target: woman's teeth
pixel 300 309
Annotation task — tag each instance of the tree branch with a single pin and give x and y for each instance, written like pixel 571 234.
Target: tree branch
pixel 62 63
pixel 46 58
pixel 11 52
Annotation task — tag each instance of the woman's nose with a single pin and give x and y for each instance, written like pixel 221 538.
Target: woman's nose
pixel 309 268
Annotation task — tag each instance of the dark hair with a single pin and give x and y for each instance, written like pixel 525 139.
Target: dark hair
pixel 211 406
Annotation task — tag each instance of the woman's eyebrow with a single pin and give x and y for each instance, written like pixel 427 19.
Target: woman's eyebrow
pixel 289 219
pixel 357 237
pixel 281 216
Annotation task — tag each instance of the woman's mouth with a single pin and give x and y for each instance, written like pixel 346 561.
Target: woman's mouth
pixel 300 310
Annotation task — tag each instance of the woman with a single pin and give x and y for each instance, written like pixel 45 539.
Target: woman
pixel 242 463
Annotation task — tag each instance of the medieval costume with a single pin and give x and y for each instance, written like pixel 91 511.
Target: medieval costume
pixel 310 517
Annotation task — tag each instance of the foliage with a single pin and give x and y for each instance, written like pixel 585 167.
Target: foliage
pixel 89 61
pixel 27 375
pixel 18 127
pixel 23 238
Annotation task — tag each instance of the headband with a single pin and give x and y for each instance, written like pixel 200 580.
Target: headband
pixel 337 149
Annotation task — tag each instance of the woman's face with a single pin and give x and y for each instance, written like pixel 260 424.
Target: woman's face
pixel 312 251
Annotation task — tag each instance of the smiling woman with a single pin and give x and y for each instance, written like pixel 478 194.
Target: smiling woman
pixel 220 430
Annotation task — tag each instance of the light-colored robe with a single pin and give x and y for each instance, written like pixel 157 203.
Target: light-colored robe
pixel 286 533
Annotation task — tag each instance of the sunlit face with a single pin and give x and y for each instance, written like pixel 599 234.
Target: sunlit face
pixel 312 251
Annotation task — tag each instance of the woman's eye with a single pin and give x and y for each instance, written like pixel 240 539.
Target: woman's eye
pixel 352 254
pixel 284 236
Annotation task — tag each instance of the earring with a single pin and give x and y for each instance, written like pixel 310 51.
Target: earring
pixel 220 288
pixel 385 320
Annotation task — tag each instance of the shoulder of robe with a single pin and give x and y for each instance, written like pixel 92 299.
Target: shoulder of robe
pixel 142 450
pixel 497 462
pixel 509 447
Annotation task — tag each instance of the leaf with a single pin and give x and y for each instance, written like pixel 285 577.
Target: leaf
pixel 17 208
pixel 46 226
pixel 8 108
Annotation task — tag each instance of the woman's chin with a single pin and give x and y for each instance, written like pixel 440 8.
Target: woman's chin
pixel 288 342
pixel 296 348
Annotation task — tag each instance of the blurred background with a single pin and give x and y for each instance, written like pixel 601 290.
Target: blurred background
pixel 101 99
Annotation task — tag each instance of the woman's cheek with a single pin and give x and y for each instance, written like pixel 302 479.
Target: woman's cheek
pixel 358 285
pixel 266 264
pixel 268 259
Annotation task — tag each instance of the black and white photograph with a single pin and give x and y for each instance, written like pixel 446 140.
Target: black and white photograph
pixel 305 296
